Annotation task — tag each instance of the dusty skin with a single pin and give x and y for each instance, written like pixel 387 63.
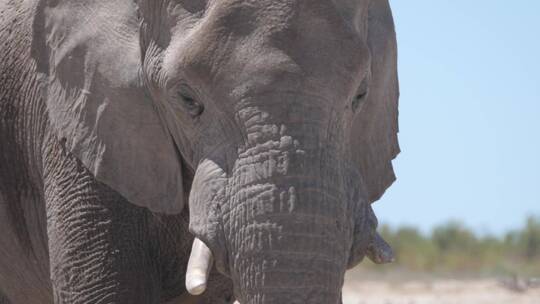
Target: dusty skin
pixel 481 291
pixel 265 129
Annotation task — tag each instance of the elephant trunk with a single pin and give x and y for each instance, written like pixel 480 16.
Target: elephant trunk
pixel 287 223
pixel 288 251
pixel 279 259
pixel 280 220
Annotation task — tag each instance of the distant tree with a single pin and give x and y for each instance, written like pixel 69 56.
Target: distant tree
pixel 530 239
pixel 453 236
pixel 453 248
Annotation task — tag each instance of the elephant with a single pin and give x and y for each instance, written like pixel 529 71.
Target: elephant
pixel 231 149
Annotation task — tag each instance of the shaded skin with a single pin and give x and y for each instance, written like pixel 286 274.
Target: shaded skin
pixel 66 237
pixel 267 127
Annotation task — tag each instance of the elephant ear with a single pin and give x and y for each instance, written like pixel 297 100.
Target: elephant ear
pixel 88 56
pixel 374 137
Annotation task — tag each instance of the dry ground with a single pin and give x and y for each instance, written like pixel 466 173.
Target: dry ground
pixel 481 291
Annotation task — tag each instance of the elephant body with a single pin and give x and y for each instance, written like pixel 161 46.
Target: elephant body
pixel 57 222
pixel 128 128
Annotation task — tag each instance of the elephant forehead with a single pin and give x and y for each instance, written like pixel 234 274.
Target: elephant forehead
pixel 245 16
pixel 270 17
pixel 286 9
pixel 241 45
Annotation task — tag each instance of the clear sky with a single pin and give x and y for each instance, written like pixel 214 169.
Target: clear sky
pixel 469 114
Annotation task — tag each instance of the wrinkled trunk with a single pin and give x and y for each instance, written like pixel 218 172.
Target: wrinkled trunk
pixel 286 244
pixel 286 223
pixel 281 221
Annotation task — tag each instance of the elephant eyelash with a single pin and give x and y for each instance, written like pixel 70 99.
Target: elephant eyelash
pixel 360 97
pixel 358 101
pixel 189 102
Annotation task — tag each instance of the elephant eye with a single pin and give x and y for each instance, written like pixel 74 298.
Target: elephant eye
pixel 194 6
pixel 360 98
pixel 189 102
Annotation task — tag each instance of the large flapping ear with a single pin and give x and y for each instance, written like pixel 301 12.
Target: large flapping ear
pixel 89 56
pixel 374 137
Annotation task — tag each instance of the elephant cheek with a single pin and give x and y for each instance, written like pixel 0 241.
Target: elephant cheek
pixel 205 201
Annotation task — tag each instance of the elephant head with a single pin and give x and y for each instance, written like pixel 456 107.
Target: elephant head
pixel 276 121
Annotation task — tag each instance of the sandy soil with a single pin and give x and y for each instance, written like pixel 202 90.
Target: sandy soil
pixel 436 292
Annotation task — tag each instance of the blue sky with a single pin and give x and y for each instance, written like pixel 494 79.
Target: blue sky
pixel 469 114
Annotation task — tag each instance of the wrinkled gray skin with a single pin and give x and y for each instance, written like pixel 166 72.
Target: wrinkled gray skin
pixel 273 122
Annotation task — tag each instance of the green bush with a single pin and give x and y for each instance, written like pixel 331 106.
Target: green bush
pixel 454 248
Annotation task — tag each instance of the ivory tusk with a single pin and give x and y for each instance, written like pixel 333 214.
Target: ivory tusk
pixel 198 269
